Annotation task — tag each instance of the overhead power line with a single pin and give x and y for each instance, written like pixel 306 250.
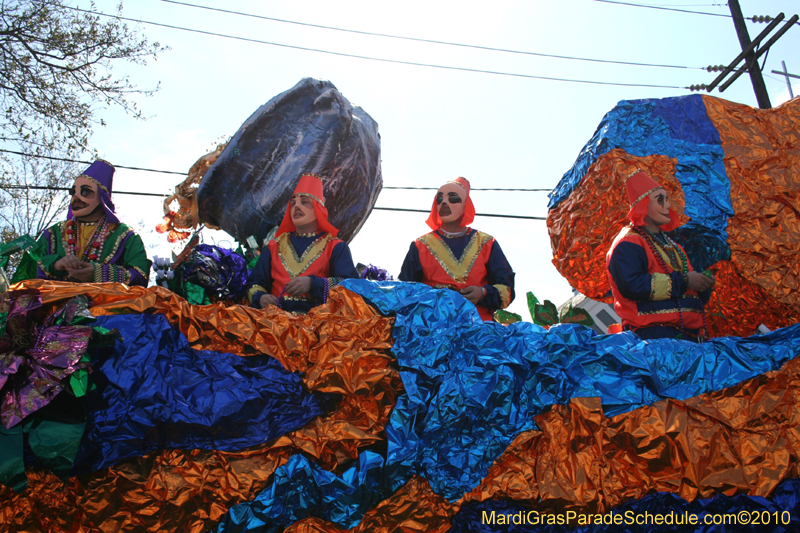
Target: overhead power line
pixel 757 18
pixel 431 41
pixel 378 59
pixel 185 173
pixel 471 189
pixel 476 214
pixel 48 188
pixel 663 8
pixel 16 186
pixel 88 162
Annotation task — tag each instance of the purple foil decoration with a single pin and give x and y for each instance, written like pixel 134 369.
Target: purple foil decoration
pixel 23 308
pixel 374 273
pixel 16 335
pixel 9 365
pixel 221 271
pixel 35 360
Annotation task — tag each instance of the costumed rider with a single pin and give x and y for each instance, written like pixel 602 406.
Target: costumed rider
pixel 304 260
pixel 92 245
pixel 656 292
pixel 457 257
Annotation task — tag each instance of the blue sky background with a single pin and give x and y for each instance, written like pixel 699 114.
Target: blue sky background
pixel 435 124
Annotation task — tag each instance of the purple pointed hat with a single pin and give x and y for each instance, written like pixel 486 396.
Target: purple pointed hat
pixel 102 174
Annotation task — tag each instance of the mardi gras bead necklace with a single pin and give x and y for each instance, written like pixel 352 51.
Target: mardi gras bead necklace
pixel 678 262
pixel 675 255
pixel 95 244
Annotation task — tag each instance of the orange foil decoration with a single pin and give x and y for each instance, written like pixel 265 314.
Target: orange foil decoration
pixel 747 165
pixel 740 440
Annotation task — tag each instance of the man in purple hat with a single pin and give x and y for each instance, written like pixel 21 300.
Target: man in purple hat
pixel 92 245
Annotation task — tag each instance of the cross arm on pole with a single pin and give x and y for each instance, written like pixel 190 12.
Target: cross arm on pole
pixel 746 51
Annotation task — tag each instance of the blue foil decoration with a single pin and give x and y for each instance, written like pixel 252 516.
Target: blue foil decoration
pixel 154 392
pixel 678 128
pixel 301 489
pixel 472 386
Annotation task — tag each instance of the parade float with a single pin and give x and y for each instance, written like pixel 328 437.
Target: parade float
pixel 393 407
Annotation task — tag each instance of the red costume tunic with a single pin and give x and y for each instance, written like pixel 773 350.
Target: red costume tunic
pixel 645 293
pixel 286 265
pixel 325 259
pixel 443 270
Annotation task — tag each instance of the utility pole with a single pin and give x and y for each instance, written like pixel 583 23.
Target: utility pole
pixel 744 40
pixel 751 51
pixel 786 74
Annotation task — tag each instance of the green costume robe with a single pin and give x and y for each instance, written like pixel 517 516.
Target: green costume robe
pixel 122 257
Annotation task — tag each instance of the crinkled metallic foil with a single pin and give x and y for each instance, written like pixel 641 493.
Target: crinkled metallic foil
pixel 736 440
pixel 464 411
pixel 738 306
pixel 35 358
pixel 154 393
pixel 414 508
pixel 734 173
pixel 222 272
pixel 309 128
pixel 734 445
pixel 341 347
pixel 583 226
pixel 301 489
pixel 763 163
pixel 472 386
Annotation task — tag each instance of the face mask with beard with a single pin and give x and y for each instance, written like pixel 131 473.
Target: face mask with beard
pixel 85 201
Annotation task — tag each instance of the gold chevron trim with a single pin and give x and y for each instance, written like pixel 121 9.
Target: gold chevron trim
pixel 458 269
pixel 295 265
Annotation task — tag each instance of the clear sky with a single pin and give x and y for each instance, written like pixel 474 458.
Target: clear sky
pixel 436 124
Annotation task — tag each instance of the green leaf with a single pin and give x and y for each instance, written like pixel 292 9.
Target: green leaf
pixel 576 315
pixel 532 303
pixel 79 382
pixel 506 317
pixel 547 313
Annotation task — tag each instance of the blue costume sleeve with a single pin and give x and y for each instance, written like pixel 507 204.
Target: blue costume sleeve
pixel 500 290
pixel 628 269
pixel 411 269
pixel 260 280
pixel 341 267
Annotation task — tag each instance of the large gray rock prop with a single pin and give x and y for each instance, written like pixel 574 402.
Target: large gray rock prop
pixel 309 128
